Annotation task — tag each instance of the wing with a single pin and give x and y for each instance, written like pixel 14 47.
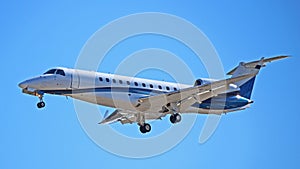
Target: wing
pixel 125 116
pixel 113 117
pixel 182 99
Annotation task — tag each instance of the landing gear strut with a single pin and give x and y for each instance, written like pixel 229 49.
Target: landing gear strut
pixel 40 104
pixel 145 128
pixel 175 118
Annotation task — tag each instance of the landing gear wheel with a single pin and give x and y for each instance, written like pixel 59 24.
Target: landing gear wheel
pixel 41 104
pixel 142 129
pixel 145 128
pixel 175 118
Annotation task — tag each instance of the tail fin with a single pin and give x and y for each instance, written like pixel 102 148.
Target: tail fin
pixel 246 85
pixel 246 88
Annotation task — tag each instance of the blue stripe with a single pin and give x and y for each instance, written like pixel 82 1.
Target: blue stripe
pixel 105 89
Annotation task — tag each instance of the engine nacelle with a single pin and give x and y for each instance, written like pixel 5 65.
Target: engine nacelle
pixel 203 81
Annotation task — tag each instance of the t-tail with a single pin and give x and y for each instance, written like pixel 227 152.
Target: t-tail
pixel 253 67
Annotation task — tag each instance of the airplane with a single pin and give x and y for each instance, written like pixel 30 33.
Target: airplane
pixel 138 100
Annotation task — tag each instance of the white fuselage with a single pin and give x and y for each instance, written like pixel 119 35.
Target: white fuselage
pixel 108 89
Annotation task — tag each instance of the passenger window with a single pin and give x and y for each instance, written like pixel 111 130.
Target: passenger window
pixel 128 83
pixel 107 79
pixel 167 88
pixel 114 80
pixel 120 81
pixel 101 79
pixel 159 86
pixel 136 84
pixel 151 85
pixel 50 72
pixel 143 84
pixel 60 72
pixel 175 88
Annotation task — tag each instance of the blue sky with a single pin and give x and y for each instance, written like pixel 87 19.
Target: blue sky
pixel 36 36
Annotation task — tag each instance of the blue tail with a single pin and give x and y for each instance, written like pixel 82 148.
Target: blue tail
pixel 246 88
pixel 253 67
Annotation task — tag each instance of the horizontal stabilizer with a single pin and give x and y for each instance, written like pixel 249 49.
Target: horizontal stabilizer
pixel 255 63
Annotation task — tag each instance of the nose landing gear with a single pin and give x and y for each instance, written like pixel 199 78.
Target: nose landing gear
pixel 40 104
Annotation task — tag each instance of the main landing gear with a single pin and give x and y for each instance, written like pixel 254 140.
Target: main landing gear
pixel 145 128
pixel 175 118
pixel 40 104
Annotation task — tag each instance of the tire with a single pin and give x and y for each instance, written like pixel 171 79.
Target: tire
pixel 40 104
pixel 177 118
pixel 172 118
pixel 147 127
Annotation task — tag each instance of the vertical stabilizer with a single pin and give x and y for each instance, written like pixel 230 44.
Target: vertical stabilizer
pixel 246 88
pixel 246 85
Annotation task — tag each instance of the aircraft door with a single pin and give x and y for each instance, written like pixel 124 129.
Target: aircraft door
pixel 75 80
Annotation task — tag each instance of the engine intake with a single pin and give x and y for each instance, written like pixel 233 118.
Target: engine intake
pixel 203 81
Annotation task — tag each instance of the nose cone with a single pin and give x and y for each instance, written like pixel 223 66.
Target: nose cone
pixel 23 84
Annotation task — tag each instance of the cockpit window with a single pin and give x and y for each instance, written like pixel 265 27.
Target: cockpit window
pixel 50 72
pixel 60 72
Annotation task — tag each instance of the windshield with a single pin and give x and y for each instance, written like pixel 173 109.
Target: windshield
pixel 51 71
pixel 60 72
